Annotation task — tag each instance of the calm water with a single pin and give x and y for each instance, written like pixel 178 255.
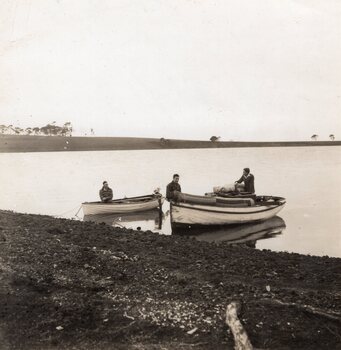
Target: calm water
pixel 308 177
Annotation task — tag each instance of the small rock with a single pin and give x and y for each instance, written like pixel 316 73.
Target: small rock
pixel 59 328
pixel 192 331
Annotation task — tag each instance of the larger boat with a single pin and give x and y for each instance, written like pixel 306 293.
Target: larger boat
pixel 217 210
pixel 123 205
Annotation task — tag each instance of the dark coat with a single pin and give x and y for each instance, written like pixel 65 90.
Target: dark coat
pixel 171 187
pixel 105 194
pixel 249 182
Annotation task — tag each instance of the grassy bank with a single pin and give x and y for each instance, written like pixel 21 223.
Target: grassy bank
pixel 81 285
pixel 22 143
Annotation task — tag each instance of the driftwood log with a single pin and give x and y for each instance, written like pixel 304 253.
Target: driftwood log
pixel 241 339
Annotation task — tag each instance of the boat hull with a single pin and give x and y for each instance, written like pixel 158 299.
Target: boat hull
pixel 192 214
pixel 129 205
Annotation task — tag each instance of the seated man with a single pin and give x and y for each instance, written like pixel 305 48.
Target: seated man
pixel 105 193
pixel 246 183
pixel 173 187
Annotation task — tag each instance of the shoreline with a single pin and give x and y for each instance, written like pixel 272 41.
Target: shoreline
pixel 74 284
pixel 24 143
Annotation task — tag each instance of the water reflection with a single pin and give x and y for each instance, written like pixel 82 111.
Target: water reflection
pixel 144 220
pixel 156 220
pixel 236 234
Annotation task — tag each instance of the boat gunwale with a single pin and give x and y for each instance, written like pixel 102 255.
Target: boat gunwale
pixel 124 201
pixel 192 207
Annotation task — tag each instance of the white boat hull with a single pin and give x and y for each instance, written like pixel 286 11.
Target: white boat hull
pixel 121 206
pixel 191 214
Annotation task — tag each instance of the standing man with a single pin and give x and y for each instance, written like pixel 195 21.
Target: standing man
pixel 105 193
pixel 172 187
pixel 246 183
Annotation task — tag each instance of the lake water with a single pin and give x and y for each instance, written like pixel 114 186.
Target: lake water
pixel 308 177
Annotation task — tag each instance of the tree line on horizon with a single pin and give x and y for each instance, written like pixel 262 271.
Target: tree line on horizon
pixel 315 137
pixel 50 129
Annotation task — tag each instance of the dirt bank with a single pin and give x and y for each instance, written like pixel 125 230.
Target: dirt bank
pixel 24 143
pixel 80 285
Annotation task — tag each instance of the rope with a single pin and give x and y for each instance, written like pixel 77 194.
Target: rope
pixel 76 215
pixel 71 210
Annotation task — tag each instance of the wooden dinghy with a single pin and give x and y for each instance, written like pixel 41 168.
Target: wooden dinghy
pixel 224 212
pixel 123 205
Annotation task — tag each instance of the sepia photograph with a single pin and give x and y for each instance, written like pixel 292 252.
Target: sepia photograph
pixel 170 175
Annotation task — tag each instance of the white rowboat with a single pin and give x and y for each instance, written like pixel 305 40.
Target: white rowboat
pixel 265 207
pixel 124 205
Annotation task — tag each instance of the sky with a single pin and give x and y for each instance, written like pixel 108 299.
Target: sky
pixel 187 69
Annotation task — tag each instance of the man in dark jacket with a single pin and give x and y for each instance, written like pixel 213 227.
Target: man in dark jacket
pixel 249 182
pixel 172 187
pixel 105 193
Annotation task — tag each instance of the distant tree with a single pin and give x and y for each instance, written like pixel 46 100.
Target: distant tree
pixel 3 129
pixel 67 129
pixel 332 137
pixel 18 131
pixel 214 138
pixel 28 131
pixel 45 130
pixel 92 132
pixel 314 137
pixel 164 141
pixel 56 130
pixel 36 130
pixel 51 129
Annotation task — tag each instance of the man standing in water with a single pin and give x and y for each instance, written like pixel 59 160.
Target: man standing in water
pixel 172 187
pixel 105 193
pixel 249 182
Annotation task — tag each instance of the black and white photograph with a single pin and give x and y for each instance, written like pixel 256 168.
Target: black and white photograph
pixel 170 175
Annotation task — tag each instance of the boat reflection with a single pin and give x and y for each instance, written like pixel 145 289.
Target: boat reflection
pixel 247 234
pixel 145 220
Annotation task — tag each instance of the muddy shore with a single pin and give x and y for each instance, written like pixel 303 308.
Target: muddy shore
pixel 67 284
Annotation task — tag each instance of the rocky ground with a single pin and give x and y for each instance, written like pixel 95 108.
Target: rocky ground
pixel 80 285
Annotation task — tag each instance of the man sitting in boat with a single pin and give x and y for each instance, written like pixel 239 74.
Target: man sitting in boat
pixel 173 187
pixel 105 193
pixel 246 183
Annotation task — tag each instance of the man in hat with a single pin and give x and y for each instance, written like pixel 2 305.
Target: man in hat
pixel 105 193
pixel 246 183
